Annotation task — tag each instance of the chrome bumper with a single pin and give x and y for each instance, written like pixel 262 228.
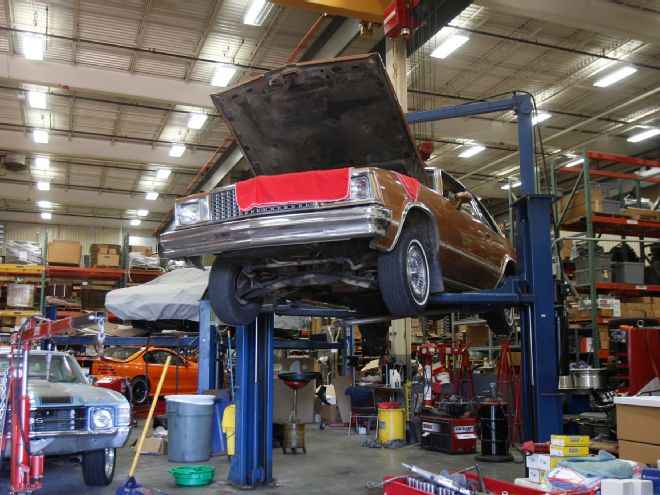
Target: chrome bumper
pixel 75 442
pixel 339 224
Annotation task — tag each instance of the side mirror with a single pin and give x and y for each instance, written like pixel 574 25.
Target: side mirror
pixel 91 379
pixel 462 197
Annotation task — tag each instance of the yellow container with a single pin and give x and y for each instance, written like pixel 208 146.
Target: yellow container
pixel 391 424
pixel 229 427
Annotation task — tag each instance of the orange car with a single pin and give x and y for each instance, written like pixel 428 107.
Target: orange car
pixel 143 366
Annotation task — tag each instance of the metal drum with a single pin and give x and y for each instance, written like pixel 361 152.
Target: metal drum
pixel 294 437
pixel 494 432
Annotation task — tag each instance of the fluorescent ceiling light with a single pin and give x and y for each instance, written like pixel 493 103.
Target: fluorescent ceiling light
pixel 615 76
pixel 136 221
pixel 42 162
pixel 509 186
pixel 151 195
pixel 43 186
pixel 163 173
pixel 196 120
pixel 46 215
pixel 37 99
pixel 472 150
pixel 44 204
pixel 577 161
pixel 177 150
pixel 222 75
pixel 641 136
pixel 256 12
pixel 540 117
pixel 40 136
pixel 447 47
pixel 33 47
pixel 142 213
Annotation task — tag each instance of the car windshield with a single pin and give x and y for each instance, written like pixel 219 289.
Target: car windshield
pixel 62 369
pixel 121 353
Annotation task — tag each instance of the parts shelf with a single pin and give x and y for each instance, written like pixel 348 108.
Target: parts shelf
pixel 616 226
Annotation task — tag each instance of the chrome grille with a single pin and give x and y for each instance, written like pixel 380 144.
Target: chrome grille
pixel 224 206
pixel 58 419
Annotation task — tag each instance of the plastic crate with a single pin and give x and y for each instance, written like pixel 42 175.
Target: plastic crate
pixel 628 272
pixel 584 277
pixel 600 261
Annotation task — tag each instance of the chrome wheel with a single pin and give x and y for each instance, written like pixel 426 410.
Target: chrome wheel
pixel 417 271
pixel 109 462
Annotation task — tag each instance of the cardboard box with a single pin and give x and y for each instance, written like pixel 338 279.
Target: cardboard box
pixel 538 476
pixel 330 414
pixel 105 249
pixel 544 462
pixel 638 419
pixel 146 250
pixel 477 335
pixel 109 260
pixel 639 452
pixel 569 440
pixel 23 253
pixel 568 451
pixel 64 252
pixel 20 295
pixel 154 446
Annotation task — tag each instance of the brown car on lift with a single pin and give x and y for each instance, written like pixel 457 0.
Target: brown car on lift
pixel 382 249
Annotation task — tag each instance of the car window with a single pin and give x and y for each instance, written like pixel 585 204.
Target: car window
pixel 121 353
pixel 57 369
pixel 451 187
pixel 159 357
pixel 430 174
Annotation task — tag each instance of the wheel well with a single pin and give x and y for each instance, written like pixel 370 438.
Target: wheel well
pixel 423 218
pixel 510 269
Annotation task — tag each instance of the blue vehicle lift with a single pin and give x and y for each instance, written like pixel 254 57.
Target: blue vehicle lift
pixel 532 290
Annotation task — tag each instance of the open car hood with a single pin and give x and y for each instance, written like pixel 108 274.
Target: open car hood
pixel 321 115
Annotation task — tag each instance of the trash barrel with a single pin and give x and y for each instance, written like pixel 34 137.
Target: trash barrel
pixel 391 422
pixel 229 427
pixel 189 422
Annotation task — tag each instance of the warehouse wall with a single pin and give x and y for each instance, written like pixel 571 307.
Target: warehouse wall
pixel 86 235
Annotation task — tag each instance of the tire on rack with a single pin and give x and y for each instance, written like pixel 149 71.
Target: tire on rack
pixel 404 275
pixel 139 390
pixel 98 466
pixel 224 282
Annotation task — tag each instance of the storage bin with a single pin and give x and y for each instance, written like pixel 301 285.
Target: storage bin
pixel 628 272
pixel 584 277
pixel 600 261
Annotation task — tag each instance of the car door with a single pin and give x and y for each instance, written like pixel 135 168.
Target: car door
pixel 468 240
pixel 154 364
pixel 187 375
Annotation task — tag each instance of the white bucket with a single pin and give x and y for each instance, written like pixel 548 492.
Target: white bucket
pixel 204 400
pixel 362 430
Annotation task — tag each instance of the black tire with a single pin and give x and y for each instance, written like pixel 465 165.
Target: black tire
pixel 500 321
pixel 98 467
pixel 405 294
pixel 226 304
pixel 139 391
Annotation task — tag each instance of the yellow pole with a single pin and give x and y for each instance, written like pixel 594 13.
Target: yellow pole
pixel 138 447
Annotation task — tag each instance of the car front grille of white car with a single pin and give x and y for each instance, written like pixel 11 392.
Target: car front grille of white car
pixel 58 419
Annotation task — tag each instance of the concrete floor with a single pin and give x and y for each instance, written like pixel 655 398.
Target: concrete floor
pixel 334 464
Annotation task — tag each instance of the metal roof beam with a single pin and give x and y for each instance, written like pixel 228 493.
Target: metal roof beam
pixel 114 82
pixel 599 16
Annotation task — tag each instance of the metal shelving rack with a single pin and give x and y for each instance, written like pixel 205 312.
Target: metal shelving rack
pixel 595 224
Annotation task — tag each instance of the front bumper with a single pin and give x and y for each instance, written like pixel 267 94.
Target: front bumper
pixel 337 224
pixel 75 442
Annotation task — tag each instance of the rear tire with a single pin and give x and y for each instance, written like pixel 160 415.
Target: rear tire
pixel 500 321
pixel 224 281
pixel 139 391
pixel 404 275
pixel 98 467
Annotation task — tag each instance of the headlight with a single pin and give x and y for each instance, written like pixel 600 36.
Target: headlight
pixel 360 187
pixel 101 419
pixel 192 211
pixel 124 415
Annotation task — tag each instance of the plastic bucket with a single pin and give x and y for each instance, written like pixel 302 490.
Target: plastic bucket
pixel 391 424
pixel 229 427
pixel 193 475
pixel 189 421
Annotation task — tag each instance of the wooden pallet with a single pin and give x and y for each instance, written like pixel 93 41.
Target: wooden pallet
pixel 643 214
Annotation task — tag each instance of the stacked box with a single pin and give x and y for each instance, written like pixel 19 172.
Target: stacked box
pixel 64 253
pixel 146 250
pixel 557 451
pixel 105 255
pixel 569 440
pixel 92 296
pixel 475 334
pixel 577 209
pixel 23 253
pixel 20 295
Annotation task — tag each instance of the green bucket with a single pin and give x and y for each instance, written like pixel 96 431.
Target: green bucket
pixel 193 475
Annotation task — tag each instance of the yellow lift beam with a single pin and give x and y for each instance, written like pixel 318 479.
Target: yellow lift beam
pixel 363 10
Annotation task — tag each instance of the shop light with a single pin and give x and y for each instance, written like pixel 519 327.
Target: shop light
pixel 577 161
pixel 44 204
pixel 196 120
pixel 615 76
pixel 163 173
pixel 256 12
pixel 40 136
pixel 151 195
pixel 136 221
pixel 222 75
pixel 641 136
pixel 33 47
pixel 42 162
pixel 37 99
pixel 142 213
pixel 450 45
pixel 177 150
pixel 46 215
pixel 472 150
pixel 540 117
pixel 43 186
pixel 506 187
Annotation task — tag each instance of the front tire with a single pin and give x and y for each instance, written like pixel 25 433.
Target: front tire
pixel 98 467
pixel 139 390
pixel 225 282
pixel 500 321
pixel 404 275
